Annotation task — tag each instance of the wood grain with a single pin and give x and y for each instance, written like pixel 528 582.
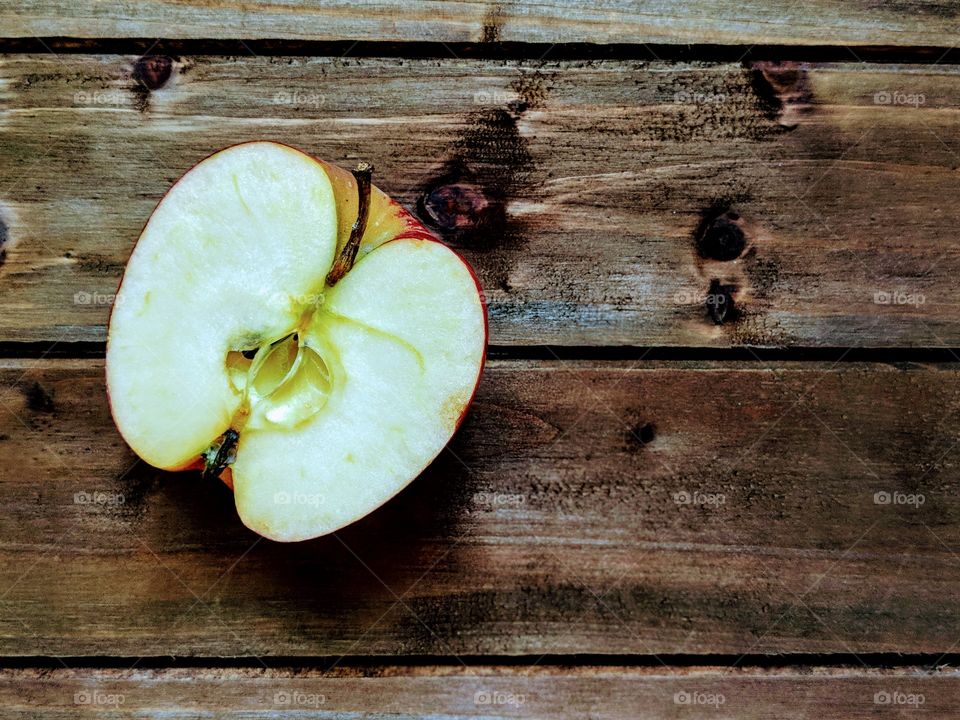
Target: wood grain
pixel 607 187
pixel 901 23
pixel 584 507
pixel 488 692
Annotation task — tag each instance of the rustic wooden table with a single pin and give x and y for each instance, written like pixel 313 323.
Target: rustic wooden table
pixel 712 470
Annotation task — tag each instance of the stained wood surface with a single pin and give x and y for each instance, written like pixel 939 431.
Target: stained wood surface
pixel 901 23
pixel 610 187
pixel 714 512
pixel 488 692
pixel 585 507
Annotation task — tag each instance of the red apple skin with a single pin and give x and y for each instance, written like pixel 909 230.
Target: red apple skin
pixel 391 214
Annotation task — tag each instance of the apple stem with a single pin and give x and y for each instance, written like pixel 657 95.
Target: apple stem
pixel 362 173
pixel 218 457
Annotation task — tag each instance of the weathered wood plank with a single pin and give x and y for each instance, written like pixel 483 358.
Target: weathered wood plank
pixel 597 178
pixel 902 23
pixel 584 507
pixel 488 692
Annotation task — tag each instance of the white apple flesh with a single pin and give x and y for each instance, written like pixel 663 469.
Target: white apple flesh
pixel 225 324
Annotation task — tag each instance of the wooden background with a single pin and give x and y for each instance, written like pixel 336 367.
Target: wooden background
pixel 712 469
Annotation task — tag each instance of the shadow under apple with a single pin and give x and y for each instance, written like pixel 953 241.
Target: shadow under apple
pixel 321 588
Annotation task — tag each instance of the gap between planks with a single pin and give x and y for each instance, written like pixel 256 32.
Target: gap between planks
pixel 413 50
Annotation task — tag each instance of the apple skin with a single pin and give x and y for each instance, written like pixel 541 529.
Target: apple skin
pixel 387 221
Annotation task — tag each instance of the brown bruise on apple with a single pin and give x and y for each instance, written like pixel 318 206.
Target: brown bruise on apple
pixel 405 325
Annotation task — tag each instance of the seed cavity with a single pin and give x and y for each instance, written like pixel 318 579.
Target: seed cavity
pixel 285 383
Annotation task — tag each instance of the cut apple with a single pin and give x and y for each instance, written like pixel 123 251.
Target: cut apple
pixel 282 320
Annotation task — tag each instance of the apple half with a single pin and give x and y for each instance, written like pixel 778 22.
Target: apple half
pixel 285 325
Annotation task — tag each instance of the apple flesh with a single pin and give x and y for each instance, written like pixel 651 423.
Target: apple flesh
pixel 230 345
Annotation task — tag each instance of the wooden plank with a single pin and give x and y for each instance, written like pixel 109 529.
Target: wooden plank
pixel 489 692
pixel 585 507
pixel 600 179
pixel 903 23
